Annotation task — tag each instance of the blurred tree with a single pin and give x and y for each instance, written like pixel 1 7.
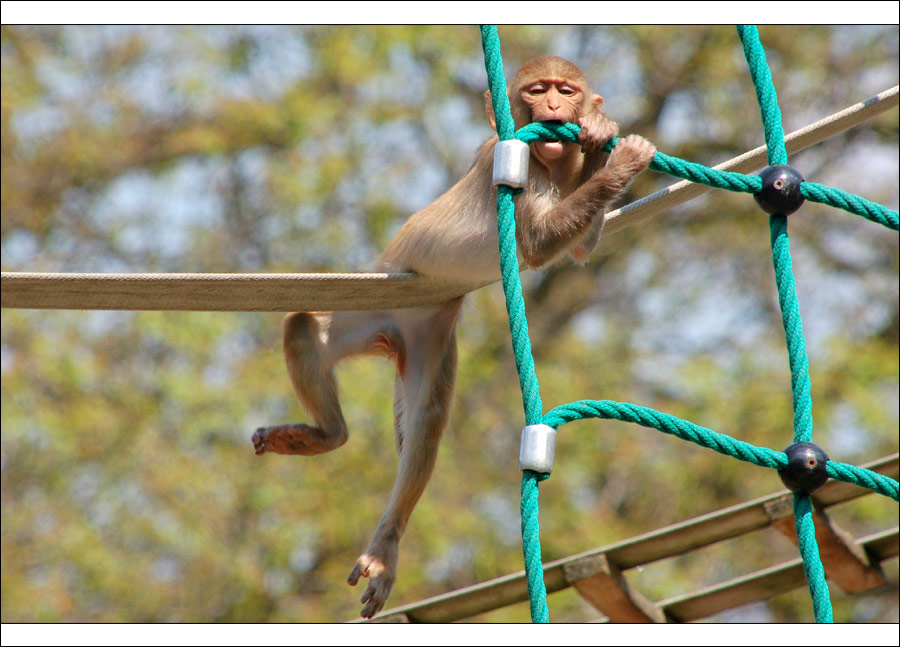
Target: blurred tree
pixel 130 492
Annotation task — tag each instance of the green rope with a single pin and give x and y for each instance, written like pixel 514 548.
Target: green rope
pixel 863 478
pixel 722 443
pixel 849 202
pixel 793 328
pixel 728 180
pixel 812 562
pixel 765 93
pixel 694 172
pixel 798 361
pixel 518 327
pixel 626 412
pixel 790 313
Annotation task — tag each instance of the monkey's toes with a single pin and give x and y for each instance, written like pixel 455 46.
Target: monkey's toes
pixel 374 600
pixel 259 440
pixel 381 581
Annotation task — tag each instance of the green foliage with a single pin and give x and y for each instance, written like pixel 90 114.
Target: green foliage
pixel 130 491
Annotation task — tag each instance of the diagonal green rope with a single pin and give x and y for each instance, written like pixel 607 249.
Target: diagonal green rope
pixel 798 361
pixel 722 443
pixel 849 202
pixel 863 478
pixel 729 180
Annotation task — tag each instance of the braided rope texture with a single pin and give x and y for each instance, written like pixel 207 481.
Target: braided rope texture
pixel 798 361
pixel 790 313
pixel 518 327
pixel 728 180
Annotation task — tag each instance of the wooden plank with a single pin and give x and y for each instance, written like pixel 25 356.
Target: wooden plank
pixel 882 546
pixel 224 292
pixel 658 544
pixel 761 585
pixel 729 522
pixel 391 619
pixel 603 586
pixel 478 598
pixel 845 562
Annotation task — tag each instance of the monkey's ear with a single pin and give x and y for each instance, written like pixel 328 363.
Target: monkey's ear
pixel 489 107
pixel 598 101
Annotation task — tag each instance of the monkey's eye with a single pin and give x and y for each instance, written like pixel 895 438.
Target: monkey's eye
pixel 566 91
pixel 537 89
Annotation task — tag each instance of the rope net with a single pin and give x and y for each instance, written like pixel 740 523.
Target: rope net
pixel 796 345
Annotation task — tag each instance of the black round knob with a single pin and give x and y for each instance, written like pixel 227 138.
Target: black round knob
pixel 780 194
pixel 805 471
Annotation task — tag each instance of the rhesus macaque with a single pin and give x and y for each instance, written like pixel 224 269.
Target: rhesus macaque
pixel 455 238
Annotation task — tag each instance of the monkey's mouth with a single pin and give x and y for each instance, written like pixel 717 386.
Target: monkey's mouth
pixel 551 148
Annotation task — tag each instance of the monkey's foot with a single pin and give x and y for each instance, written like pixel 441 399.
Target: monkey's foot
pixel 292 439
pixel 379 564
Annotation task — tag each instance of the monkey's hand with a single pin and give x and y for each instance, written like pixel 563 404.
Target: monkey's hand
pixel 379 564
pixel 596 130
pixel 632 155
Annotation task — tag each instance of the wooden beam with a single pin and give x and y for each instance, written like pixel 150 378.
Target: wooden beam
pixel 763 584
pixel 391 619
pixel 603 586
pixel 224 292
pixel 845 562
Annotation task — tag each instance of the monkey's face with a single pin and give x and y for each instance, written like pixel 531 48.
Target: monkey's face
pixel 551 99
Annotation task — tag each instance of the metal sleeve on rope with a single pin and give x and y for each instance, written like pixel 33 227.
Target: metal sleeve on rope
pixel 538 448
pixel 511 163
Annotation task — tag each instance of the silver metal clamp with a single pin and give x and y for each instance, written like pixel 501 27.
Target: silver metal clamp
pixel 538 448
pixel 511 163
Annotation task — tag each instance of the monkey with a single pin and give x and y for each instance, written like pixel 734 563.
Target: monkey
pixel 455 238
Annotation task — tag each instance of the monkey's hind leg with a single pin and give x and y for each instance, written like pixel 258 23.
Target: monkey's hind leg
pixel 313 342
pixel 421 407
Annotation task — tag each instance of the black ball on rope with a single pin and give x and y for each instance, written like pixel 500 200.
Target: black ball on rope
pixel 780 194
pixel 805 471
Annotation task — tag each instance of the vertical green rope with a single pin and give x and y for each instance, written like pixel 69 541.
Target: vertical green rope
pixel 790 312
pixel 518 327
pixel 765 93
pixel 812 562
pixel 793 328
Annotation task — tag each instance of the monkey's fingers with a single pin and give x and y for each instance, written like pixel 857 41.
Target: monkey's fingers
pixel 596 131
pixel 360 570
pixel 633 151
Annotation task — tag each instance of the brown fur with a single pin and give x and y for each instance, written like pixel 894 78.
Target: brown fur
pixel 455 237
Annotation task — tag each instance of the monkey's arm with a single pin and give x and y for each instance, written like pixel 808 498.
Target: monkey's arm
pixel 542 235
